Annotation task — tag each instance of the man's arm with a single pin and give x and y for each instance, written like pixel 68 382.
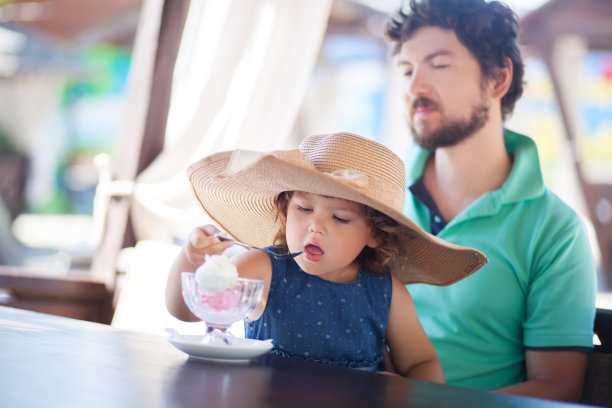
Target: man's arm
pixel 557 375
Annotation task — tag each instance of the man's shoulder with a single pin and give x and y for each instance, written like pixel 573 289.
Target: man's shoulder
pixel 558 232
pixel 552 206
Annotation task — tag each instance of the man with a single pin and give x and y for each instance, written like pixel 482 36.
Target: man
pixel 523 323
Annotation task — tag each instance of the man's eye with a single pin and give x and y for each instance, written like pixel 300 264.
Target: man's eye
pixel 408 73
pixel 341 220
pixel 439 66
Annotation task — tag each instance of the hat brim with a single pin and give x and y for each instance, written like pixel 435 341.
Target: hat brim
pixel 242 203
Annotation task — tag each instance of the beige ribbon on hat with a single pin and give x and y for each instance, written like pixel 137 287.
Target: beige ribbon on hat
pixel 243 159
pixel 353 178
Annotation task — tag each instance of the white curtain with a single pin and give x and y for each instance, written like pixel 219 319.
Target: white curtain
pixel 241 74
pixel 242 71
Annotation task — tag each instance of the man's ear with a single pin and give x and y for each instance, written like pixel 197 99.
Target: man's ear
pixel 501 80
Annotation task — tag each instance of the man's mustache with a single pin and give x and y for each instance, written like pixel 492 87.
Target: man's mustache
pixel 422 102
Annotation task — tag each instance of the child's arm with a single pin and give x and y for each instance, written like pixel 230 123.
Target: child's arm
pixel 412 353
pixel 202 242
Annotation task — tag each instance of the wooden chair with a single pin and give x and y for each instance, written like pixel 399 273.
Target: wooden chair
pixel 90 294
pixel 598 381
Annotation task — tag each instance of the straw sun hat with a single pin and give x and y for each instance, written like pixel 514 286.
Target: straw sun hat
pixel 237 190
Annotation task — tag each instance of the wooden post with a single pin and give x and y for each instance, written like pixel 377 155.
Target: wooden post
pixel 142 136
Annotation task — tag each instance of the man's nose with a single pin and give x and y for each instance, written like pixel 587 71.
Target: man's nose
pixel 416 84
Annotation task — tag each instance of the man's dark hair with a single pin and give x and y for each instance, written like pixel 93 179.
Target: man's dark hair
pixel 487 29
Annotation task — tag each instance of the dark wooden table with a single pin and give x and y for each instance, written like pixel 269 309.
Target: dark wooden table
pixel 51 361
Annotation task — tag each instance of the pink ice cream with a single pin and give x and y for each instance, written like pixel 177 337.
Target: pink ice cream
pixel 216 278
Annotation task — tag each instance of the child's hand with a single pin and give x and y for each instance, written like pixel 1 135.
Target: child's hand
pixel 201 242
pixel 387 362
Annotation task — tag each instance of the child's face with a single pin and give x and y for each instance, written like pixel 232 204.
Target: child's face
pixel 330 231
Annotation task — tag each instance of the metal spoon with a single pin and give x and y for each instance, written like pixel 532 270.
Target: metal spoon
pixel 221 237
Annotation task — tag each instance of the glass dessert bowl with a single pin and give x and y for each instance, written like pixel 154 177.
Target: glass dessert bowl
pixel 219 308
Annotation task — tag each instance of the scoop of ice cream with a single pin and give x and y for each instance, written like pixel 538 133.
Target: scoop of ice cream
pixel 224 300
pixel 216 274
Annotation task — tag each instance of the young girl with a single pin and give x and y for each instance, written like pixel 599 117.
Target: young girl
pixel 338 198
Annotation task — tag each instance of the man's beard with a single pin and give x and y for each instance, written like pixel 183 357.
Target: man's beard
pixel 450 132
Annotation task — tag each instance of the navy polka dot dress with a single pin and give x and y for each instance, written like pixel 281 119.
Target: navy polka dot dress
pixel 314 319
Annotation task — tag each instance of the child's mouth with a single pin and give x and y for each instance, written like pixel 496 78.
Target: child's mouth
pixel 313 252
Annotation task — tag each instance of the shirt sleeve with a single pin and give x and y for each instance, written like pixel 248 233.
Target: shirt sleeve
pixel 560 307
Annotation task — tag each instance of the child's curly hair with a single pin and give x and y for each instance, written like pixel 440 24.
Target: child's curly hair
pixel 384 228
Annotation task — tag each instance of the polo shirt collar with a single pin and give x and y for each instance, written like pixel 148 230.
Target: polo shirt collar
pixel 524 182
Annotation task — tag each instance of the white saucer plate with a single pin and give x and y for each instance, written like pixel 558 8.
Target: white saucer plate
pixel 240 352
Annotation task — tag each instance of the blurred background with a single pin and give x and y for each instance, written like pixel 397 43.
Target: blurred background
pixel 103 104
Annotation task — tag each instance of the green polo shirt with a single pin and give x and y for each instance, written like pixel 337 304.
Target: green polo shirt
pixel 536 292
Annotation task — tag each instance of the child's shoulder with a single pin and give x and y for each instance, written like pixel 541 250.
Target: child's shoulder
pixel 365 272
pixel 378 281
